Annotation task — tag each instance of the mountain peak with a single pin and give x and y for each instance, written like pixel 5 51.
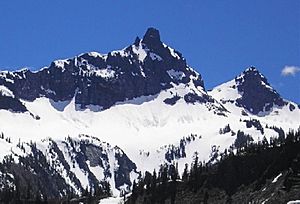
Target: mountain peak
pixel 145 68
pixel 251 91
pixel 257 94
pixel 253 75
pixel 152 37
pixel 251 69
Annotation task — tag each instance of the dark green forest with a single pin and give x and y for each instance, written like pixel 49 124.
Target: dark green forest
pixel 239 177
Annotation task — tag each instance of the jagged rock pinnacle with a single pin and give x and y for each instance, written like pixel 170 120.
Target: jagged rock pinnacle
pixel 137 41
pixel 152 38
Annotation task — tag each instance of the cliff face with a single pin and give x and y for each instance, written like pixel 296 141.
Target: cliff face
pixel 144 68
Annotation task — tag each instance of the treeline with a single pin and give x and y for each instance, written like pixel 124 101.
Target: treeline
pixel 156 186
pixel 243 163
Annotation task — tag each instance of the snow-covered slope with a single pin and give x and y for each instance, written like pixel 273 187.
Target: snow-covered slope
pixel 112 117
pixel 148 130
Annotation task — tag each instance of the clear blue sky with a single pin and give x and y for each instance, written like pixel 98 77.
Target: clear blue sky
pixel 218 38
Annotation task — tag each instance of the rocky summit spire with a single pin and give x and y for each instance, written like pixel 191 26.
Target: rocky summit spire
pixel 137 41
pixel 257 93
pixel 253 75
pixel 152 38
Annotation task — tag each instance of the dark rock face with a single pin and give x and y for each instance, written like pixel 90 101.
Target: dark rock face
pixel 172 101
pixel 292 107
pixel 257 94
pixel 193 98
pixel 97 156
pixel 152 38
pixel 144 68
pixel 55 172
pixel 36 175
pixel 125 166
pixel 13 104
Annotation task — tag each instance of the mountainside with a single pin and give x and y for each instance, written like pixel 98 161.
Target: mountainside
pixel 96 119
pixel 257 173
pixel 144 68
pixel 65 167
